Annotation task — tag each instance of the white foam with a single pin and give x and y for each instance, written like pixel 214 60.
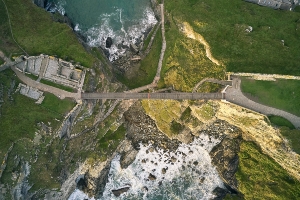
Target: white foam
pixel 176 182
pixel 76 28
pixel 97 35
pixel 190 174
pixel 60 6
pixel 79 195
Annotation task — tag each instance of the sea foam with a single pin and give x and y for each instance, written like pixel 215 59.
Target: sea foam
pixel 97 35
pixel 157 174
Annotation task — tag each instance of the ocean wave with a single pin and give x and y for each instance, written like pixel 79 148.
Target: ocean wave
pixel 157 174
pixel 97 35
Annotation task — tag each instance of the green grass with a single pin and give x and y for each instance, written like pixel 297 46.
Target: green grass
pixel 33 77
pixel 35 31
pixel 66 88
pixel 1 61
pixel 148 38
pixel 223 26
pixel 148 66
pixel 281 94
pixel 7 45
pixel 293 137
pixel 52 103
pixel 109 142
pixel 260 177
pixel 176 127
pixel 19 117
pixel 185 62
pixel 280 121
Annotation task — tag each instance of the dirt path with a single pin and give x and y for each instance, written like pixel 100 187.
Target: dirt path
pixel 46 88
pixel 163 48
pixel 190 33
pixel 212 80
pixel 235 95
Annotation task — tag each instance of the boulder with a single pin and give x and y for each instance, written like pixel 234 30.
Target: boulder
pixel 108 42
pixel 118 192
pixel 81 182
pixel 152 177
pixel 134 48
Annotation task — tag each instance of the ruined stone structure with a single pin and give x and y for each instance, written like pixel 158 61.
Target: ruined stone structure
pixel 277 4
pixel 53 69
pixel 31 93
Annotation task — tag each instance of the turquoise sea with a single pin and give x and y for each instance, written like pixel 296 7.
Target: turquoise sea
pixel 124 21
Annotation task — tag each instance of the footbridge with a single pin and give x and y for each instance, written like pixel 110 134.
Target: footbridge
pixel 174 95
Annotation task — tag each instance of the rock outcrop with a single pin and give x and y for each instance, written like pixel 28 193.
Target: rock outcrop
pixel 40 3
pixel 142 129
pixel 225 154
pixel 108 42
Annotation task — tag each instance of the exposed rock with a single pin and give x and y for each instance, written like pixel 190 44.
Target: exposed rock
pixel 225 155
pixel 108 42
pixel 164 170
pixel 134 48
pixel 142 129
pixel 118 192
pixel 152 177
pixel 220 193
pixel 128 153
pixel 249 29
pixel 98 183
pixel 81 182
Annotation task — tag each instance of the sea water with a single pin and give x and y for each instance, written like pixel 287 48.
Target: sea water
pixel 125 21
pixel 185 174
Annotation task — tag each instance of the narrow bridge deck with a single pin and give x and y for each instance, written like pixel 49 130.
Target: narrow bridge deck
pixel 179 95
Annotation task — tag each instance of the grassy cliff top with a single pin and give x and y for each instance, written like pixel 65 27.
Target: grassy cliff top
pixel 37 33
pixel 271 47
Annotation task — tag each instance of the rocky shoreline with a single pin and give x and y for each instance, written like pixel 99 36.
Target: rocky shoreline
pixel 141 129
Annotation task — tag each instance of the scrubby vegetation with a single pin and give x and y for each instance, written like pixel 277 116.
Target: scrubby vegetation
pixel 20 119
pixel 185 62
pixel 147 68
pixel 260 177
pixel 281 94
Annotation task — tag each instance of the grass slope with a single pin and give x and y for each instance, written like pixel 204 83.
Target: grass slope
pixel 293 137
pixel 7 45
pixel 20 115
pixel 280 121
pixel 223 24
pixel 260 177
pixel 185 62
pixel 281 94
pixel 148 66
pixel 35 31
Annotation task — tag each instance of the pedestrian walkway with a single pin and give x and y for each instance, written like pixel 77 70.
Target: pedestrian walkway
pixel 235 95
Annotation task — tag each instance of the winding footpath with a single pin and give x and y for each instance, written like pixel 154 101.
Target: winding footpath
pixel 163 48
pixel 12 35
pixel 235 95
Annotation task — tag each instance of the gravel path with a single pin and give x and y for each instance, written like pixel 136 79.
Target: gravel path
pixel 164 46
pixel 235 95
pixel 211 80
pixel 46 88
